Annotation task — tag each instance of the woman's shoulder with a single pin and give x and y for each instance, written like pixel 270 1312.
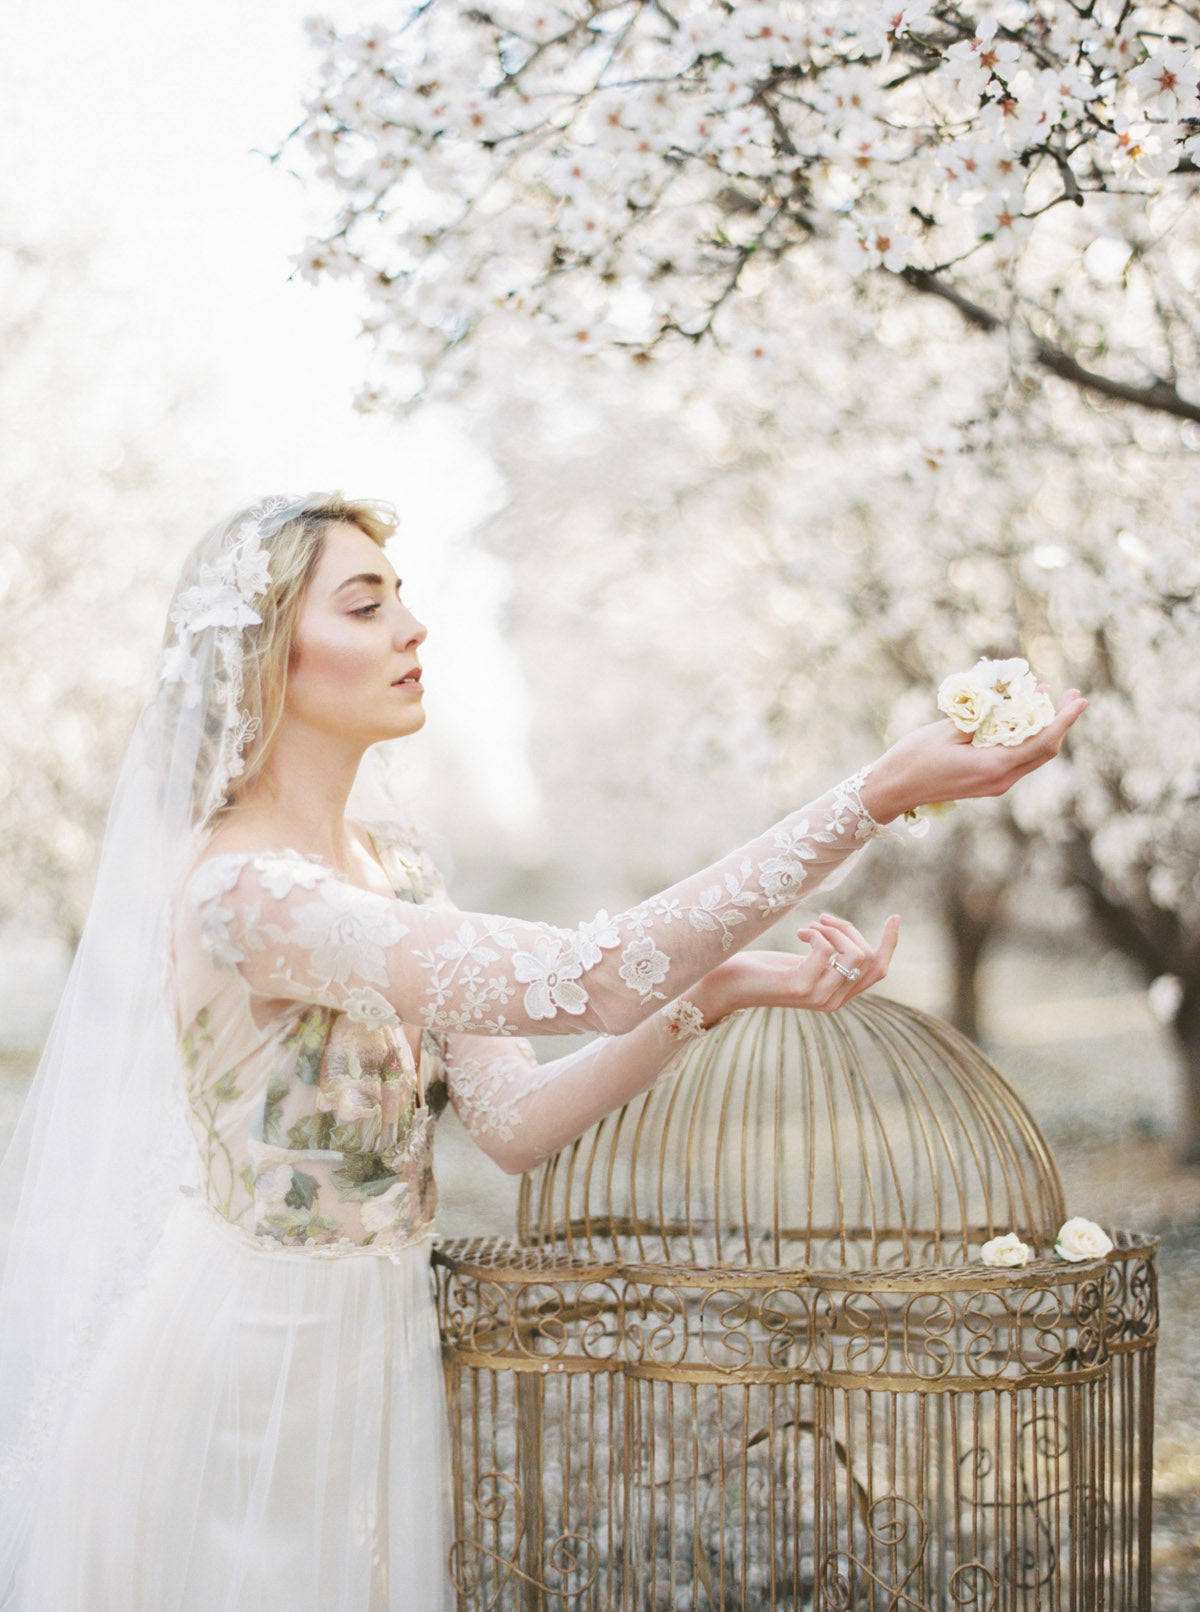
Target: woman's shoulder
pixel 237 851
pixel 389 834
pixel 234 848
pixel 220 865
pixel 402 852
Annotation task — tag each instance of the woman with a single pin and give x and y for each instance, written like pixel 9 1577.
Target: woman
pixel 219 1374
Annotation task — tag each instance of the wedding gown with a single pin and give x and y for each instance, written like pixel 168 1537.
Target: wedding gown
pixel 263 1430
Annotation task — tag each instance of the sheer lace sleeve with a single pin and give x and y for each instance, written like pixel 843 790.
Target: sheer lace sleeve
pixel 520 1111
pixel 296 932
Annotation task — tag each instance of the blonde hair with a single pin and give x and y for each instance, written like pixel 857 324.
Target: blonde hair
pixel 295 550
pixel 292 533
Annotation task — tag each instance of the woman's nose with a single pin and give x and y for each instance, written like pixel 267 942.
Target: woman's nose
pixel 409 630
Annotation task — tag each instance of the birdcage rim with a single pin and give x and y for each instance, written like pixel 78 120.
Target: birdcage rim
pixel 513 1263
pixel 1044 1273
pixel 490 1258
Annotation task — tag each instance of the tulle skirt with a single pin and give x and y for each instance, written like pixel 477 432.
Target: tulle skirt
pixel 264 1432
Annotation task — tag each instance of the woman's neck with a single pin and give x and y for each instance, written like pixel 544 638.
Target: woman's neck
pixel 299 798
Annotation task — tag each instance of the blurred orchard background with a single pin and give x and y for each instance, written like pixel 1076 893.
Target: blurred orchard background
pixel 738 371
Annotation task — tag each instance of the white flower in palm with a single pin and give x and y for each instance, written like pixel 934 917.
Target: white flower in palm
pixel 996 702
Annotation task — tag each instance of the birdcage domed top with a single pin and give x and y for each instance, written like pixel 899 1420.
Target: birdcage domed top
pixel 874 1137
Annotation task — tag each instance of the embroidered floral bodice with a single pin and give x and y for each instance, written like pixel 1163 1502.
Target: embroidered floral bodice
pixel 314 1119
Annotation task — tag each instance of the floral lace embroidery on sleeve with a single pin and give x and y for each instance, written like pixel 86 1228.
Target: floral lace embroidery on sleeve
pixel 296 931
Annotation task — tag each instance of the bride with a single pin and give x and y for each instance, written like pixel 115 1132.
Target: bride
pixel 220 1383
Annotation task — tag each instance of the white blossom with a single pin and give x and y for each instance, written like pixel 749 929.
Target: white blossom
pixel 1080 1239
pixel 1006 1251
pixel 1166 82
pixel 698 143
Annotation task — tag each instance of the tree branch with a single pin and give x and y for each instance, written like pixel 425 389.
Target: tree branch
pixel 1160 395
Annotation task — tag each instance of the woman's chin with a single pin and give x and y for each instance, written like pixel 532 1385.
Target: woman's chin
pixel 411 722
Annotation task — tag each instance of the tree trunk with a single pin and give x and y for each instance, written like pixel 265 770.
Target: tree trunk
pixel 1159 942
pixel 973 912
pixel 1186 1030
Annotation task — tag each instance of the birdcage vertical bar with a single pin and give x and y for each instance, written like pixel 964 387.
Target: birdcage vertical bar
pixel 529 1479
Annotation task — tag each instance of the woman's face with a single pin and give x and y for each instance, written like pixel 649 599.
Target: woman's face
pixel 354 672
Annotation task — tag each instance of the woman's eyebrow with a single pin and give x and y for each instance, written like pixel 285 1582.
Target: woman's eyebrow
pixel 372 577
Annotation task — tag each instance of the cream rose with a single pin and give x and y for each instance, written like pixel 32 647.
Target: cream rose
pixel 1011 679
pixel 1014 721
pixel 1005 1251
pixel 996 702
pixel 966 699
pixel 1080 1239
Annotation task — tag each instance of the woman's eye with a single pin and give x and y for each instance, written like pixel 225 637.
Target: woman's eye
pixel 365 610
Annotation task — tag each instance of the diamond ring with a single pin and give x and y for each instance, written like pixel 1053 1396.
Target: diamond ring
pixel 851 974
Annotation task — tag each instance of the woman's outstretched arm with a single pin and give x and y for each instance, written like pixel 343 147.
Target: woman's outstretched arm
pixel 520 1111
pixel 295 932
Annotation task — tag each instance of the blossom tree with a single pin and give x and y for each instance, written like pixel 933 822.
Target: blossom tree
pixel 628 172
pixel 96 522
pixel 770 591
pixel 885 274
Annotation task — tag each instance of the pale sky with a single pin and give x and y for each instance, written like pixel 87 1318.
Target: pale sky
pixel 137 121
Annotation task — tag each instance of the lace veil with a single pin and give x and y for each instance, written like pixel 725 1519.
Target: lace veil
pixel 102 1149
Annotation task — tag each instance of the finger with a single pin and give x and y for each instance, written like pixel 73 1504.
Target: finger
pixel 1043 746
pixel 1068 711
pixel 826 984
pixel 832 925
pixel 886 949
pixel 848 973
pixel 849 947
pixel 854 949
pixel 874 963
pixel 1070 708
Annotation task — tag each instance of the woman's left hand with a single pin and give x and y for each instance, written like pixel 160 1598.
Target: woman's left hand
pixel 821 980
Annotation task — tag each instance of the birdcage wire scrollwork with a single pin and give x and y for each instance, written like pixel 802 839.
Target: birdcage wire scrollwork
pixel 742 1352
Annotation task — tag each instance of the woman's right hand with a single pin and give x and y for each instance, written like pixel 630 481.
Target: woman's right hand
pixel 939 762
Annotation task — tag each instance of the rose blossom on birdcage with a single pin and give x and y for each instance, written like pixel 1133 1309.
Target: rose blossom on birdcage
pixel 1080 1239
pixel 1005 1251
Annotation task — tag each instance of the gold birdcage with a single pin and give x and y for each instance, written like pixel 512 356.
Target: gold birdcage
pixel 743 1352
